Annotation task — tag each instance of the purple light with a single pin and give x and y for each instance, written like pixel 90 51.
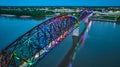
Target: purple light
pixel 56 42
pixel 58 39
pixel 70 64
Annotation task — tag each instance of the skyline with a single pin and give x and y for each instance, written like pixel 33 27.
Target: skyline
pixel 59 3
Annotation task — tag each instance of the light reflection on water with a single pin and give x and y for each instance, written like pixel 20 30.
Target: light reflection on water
pixel 80 44
pixel 114 25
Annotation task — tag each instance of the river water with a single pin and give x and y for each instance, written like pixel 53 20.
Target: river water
pixel 101 47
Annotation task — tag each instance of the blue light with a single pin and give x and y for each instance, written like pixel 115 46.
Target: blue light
pixel 46 50
pixel 42 45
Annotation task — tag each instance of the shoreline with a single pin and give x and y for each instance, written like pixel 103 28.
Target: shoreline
pixel 11 15
pixel 105 20
pixel 21 16
pixel 8 15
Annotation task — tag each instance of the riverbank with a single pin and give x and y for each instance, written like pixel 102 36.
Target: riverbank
pixel 22 17
pixel 9 15
pixel 109 18
pixel 104 20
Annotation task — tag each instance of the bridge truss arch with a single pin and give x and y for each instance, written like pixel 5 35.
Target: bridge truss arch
pixel 34 44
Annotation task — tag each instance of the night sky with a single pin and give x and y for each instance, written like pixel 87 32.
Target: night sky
pixel 60 3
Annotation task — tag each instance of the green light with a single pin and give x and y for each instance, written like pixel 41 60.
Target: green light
pixel 74 14
pixel 30 63
pixel 17 57
pixel 15 54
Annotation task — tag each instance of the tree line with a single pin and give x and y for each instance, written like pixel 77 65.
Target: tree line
pixel 34 13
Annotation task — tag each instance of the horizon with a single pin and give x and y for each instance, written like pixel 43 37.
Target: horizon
pixel 59 3
pixel 54 6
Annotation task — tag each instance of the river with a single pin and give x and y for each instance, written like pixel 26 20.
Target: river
pixel 101 47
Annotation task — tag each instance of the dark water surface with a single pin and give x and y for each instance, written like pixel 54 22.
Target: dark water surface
pixel 101 47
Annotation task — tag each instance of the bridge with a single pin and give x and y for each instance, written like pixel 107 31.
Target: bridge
pixel 33 45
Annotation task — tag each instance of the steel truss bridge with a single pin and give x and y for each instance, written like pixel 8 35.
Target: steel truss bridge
pixel 37 42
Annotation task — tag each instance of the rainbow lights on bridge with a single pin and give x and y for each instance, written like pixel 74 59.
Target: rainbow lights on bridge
pixel 37 42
